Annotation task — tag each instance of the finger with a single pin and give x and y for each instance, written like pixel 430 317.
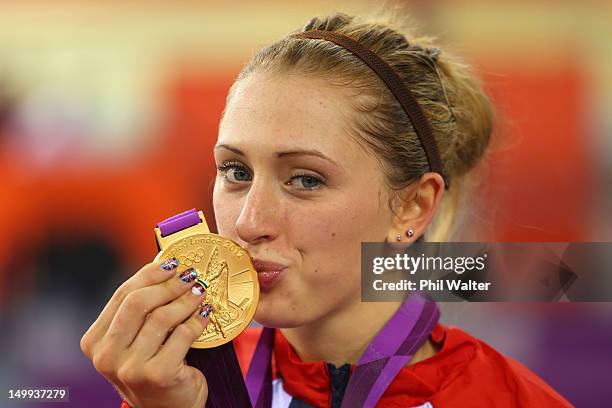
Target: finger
pixel 138 304
pixel 178 343
pixel 157 325
pixel 150 274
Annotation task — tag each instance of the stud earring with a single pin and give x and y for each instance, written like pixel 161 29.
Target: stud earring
pixel 398 238
pixel 409 233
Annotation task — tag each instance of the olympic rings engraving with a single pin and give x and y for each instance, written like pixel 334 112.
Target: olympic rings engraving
pixel 192 257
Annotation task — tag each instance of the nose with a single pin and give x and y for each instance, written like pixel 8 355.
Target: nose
pixel 259 217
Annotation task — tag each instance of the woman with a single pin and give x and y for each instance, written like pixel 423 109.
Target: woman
pixel 317 152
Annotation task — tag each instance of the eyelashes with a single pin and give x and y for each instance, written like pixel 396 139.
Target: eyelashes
pixel 308 181
pixel 223 167
pixel 236 173
pixel 231 168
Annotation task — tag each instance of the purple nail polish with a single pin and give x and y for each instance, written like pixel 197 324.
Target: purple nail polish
pixel 205 311
pixel 169 264
pixel 199 287
pixel 188 276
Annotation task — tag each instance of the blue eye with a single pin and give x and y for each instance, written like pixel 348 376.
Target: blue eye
pixel 234 172
pixel 307 182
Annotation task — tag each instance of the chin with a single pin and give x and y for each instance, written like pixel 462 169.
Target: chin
pixel 277 312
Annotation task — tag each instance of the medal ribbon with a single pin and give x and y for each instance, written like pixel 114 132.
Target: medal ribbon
pixel 391 349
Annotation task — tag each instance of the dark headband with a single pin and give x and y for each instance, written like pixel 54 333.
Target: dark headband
pixel 397 87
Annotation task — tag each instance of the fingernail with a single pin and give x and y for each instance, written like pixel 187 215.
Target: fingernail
pixel 188 276
pixel 169 264
pixel 205 311
pixel 199 287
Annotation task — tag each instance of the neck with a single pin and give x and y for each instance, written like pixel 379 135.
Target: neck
pixel 343 336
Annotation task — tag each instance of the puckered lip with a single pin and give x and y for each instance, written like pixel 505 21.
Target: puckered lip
pixel 261 265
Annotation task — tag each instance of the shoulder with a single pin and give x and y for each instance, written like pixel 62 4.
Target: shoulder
pixel 519 384
pixel 468 372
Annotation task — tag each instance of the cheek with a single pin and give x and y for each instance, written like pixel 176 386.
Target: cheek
pixel 227 212
pixel 343 225
pixel 331 243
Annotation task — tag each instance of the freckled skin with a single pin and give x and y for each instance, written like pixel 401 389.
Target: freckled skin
pixel 317 234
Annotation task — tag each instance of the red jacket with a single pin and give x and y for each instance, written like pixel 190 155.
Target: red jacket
pixel 466 372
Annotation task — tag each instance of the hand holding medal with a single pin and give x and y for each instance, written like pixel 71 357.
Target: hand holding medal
pixel 164 338
pixel 217 264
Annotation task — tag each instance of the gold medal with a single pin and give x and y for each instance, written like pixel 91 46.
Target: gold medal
pixel 225 268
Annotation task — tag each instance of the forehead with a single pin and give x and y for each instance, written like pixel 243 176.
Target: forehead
pixel 286 110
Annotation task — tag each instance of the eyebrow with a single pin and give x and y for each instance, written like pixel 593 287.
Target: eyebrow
pixel 287 153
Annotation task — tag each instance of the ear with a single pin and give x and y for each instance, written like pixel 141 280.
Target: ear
pixel 415 207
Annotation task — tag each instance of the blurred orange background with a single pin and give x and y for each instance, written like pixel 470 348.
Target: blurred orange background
pixel 109 110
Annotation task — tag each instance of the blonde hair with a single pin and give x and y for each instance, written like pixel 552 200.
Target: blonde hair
pixel 451 97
